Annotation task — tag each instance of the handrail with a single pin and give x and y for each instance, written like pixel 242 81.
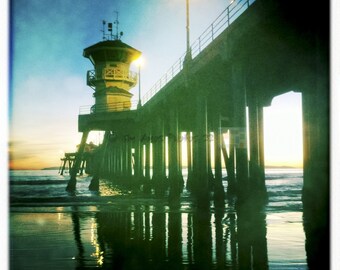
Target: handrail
pixel 109 107
pixel 111 74
pixel 223 21
pixel 118 74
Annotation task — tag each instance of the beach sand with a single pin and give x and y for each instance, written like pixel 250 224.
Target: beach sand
pixel 144 237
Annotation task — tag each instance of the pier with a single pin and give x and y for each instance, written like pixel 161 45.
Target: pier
pixel 255 51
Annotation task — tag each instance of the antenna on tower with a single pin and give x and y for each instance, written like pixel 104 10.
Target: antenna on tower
pixel 104 22
pixel 109 28
pixel 116 22
pixel 110 35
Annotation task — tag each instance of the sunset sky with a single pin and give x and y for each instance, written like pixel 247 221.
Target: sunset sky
pixel 48 82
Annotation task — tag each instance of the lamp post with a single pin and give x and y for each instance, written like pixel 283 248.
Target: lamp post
pixel 188 53
pixel 188 26
pixel 139 88
pixel 139 62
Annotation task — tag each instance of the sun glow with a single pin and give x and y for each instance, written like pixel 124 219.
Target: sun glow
pixel 283 131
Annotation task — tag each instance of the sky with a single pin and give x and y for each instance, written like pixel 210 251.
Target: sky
pixel 48 71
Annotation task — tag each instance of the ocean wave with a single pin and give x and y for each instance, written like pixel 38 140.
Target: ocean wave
pixel 39 182
pixel 283 176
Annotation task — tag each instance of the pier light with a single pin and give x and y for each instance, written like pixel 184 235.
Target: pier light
pixel 139 61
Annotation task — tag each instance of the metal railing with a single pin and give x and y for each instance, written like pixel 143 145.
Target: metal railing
pixel 119 74
pixel 168 76
pixel 111 74
pixel 229 15
pixel 109 107
pixel 91 78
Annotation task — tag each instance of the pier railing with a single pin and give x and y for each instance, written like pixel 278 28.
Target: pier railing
pixel 228 16
pixel 111 74
pixel 109 107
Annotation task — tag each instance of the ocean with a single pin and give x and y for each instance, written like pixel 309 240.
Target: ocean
pixel 119 229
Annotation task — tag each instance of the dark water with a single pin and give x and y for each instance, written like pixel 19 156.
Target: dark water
pixel 114 229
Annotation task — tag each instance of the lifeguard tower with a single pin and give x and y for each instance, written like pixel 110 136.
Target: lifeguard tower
pixel 111 78
pixel 111 81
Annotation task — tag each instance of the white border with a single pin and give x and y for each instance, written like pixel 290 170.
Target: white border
pixel 335 130
pixel 335 133
pixel 4 88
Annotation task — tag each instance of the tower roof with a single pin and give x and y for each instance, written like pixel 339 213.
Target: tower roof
pixel 111 50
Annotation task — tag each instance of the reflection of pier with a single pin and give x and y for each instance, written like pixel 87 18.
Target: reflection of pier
pixel 167 240
pixel 270 49
pixel 151 237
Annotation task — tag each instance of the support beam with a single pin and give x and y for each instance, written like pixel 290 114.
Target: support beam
pixel 94 185
pixel 129 161
pixel 210 174
pixel 219 195
pixel 239 130
pixel 82 166
pixel 115 160
pixel 217 152
pixel 261 140
pixel 316 185
pixel 124 160
pixel 175 176
pixel 138 172
pixel 229 162
pixel 63 166
pixel 256 165
pixel 158 149
pixel 121 160
pixel 189 160
pixel 71 186
pixel 147 178
pixel 200 152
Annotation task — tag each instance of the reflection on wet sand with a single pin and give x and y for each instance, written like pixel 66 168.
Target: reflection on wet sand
pixel 158 238
pixel 154 236
pixel 252 242
pixel 80 258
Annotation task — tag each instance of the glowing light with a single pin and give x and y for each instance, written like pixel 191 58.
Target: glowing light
pixel 139 61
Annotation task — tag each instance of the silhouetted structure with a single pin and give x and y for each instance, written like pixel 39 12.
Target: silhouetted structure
pixel 88 159
pixel 271 48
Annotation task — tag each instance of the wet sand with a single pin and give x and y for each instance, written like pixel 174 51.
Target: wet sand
pixel 112 229
pixel 151 237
